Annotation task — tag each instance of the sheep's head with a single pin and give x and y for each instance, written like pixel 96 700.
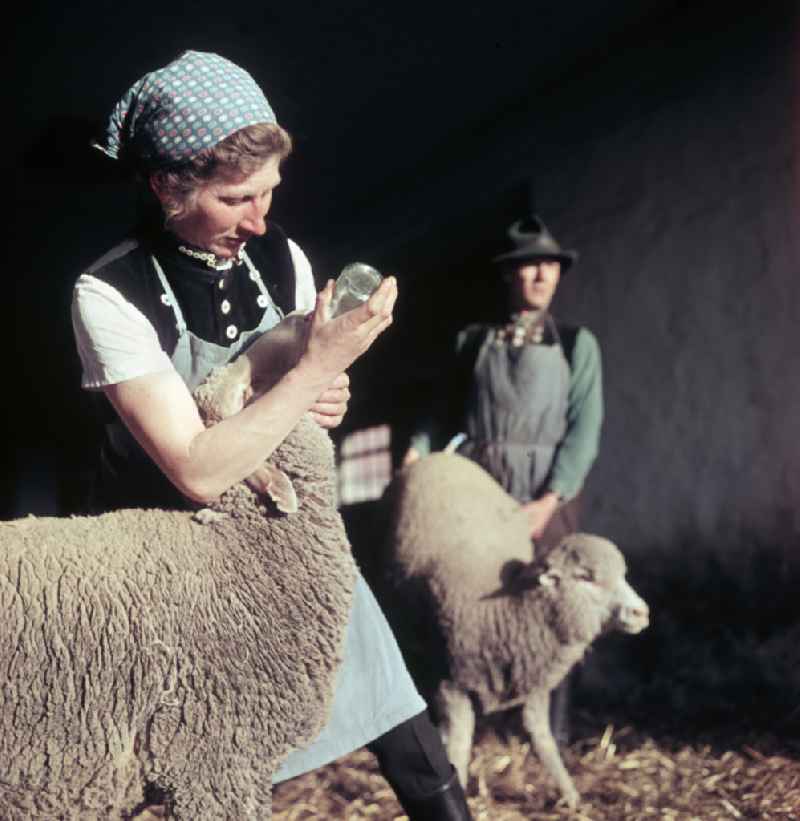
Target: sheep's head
pixel 588 574
pixel 229 388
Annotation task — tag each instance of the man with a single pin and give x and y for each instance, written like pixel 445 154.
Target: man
pixel 527 394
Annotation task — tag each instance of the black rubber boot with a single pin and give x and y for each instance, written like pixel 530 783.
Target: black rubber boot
pixel 448 803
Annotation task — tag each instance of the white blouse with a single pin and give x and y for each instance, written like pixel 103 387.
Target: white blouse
pixel 116 342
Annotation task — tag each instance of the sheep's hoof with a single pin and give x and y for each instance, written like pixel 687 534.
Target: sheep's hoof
pixel 572 798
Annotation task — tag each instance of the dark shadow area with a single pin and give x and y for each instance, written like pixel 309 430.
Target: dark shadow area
pixel 62 154
pixel 721 656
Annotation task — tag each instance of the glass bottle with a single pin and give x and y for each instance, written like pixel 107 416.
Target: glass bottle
pixel 354 286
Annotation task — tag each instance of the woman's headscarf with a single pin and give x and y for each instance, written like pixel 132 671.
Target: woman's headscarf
pixel 175 112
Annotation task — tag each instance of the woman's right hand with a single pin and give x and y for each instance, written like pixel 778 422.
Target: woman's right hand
pixel 332 345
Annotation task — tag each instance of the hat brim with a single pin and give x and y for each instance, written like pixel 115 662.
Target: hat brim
pixel 566 258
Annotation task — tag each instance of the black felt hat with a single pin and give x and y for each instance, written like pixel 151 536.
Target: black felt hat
pixel 529 240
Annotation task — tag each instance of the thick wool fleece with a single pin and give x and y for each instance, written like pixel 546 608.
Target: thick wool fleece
pixel 188 652
pixel 527 639
pixel 450 519
pixel 483 620
pixel 464 584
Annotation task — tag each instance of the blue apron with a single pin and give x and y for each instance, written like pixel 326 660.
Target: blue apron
pixel 517 412
pixel 374 691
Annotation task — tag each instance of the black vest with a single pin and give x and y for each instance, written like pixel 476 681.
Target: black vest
pixel 142 484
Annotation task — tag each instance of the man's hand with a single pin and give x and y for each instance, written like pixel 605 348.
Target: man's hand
pixel 539 512
pixel 329 410
pixel 411 455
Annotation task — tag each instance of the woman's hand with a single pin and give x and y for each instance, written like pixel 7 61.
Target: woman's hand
pixel 332 345
pixel 329 410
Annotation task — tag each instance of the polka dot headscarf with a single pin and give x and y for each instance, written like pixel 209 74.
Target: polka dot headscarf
pixel 175 112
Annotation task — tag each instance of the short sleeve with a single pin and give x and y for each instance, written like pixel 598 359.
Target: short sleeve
pixel 114 339
pixel 305 289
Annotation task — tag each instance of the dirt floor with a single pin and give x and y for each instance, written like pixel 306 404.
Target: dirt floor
pixel 621 773
pixel 695 719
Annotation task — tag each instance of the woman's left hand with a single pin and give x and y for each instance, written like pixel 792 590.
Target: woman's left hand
pixel 329 410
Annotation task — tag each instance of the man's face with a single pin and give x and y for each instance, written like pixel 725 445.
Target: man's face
pixel 533 284
pixel 228 211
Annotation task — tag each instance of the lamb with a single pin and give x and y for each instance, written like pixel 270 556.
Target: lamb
pixel 482 616
pixel 151 652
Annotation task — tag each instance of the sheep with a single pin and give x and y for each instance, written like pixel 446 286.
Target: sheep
pixel 480 615
pixel 177 653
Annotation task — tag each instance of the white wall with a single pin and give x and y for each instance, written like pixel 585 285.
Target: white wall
pixel 672 166
pixel 678 185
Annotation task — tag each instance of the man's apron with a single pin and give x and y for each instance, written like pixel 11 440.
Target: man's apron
pixel 517 414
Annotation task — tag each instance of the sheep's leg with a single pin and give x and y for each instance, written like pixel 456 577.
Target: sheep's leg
pixel 457 726
pixel 536 718
pixel 276 352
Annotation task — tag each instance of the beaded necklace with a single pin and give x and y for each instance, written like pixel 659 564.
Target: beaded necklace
pixel 212 260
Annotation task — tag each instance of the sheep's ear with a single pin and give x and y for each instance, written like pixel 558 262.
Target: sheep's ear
pixel 269 481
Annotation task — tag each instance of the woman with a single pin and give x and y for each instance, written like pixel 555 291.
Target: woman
pixel 186 293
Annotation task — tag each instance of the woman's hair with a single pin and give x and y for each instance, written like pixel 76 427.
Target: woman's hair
pixel 242 153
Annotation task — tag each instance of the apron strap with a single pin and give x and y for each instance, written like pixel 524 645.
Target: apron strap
pixel 264 299
pixel 168 298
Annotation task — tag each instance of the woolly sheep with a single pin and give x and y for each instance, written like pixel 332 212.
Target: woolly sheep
pixel 480 615
pixel 149 652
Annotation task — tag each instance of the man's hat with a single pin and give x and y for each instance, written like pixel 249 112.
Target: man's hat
pixel 529 240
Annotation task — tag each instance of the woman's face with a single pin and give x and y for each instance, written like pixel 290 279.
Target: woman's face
pixel 228 210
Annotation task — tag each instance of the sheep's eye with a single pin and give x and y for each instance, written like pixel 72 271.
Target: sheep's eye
pixel 585 575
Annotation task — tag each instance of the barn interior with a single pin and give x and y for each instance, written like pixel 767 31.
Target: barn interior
pixel 658 137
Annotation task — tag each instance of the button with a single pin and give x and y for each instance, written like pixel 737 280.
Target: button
pixel 165 300
pixel 231 331
pixel 225 306
pixel 255 276
pixel 262 301
pixel 221 283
